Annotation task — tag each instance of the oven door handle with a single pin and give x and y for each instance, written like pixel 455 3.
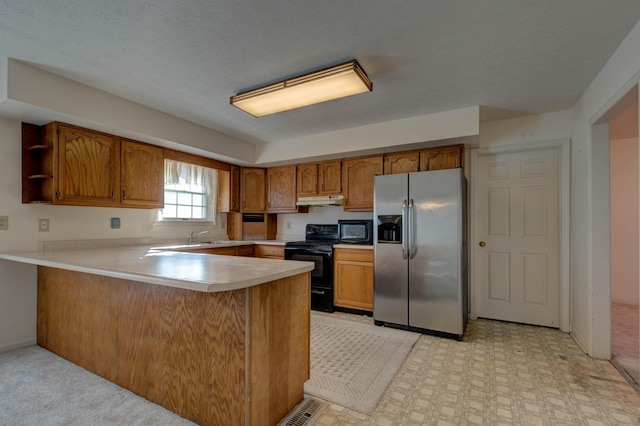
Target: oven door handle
pixel 320 292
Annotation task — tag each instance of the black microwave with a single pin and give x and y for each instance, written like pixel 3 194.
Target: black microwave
pixel 355 231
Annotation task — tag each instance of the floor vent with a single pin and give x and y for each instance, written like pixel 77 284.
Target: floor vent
pixel 306 413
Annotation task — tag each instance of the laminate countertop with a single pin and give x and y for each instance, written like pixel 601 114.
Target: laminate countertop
pixel 191 271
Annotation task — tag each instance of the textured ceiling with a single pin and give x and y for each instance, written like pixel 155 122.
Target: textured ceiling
pixel 188 57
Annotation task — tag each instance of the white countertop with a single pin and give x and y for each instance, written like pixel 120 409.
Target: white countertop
pixel 354 246
pixel 192 271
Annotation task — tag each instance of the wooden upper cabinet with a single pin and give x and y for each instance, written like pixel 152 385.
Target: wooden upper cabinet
pixel 307 179
pixel 76 166
pixel 234 188
pixel 444 157
pixel 229 190
pixel 401 162
pixel 252 190
pixel 142 170
pixel 88 167
pixel 281 189
pixel 324 178
pixel 330 177
pixel 357 177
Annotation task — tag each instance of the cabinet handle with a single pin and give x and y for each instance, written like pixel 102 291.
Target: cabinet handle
pixel 58 194
pixel 124 197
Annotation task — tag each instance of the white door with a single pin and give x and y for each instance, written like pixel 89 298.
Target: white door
pixel 517 243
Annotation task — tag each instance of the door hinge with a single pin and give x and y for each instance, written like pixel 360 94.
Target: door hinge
pixel 58 131
pixel 58 194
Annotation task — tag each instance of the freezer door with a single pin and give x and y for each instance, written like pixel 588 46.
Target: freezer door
pixel 390 272
pixel 435 286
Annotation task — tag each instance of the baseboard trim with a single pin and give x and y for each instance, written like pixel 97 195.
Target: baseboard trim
pixel 17 345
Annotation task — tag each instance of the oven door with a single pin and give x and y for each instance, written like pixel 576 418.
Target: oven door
pixel 321 275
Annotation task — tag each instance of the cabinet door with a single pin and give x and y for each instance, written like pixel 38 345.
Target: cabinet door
pixel 353 279
pixel 401 162
pixel 444 157
pixel 234 194
pixel 358 176
pixel 281 189
pixel 252 190
pixel 269 251
pixel 142 168
pixel 330 177
pixel 88 168
pixel 307 180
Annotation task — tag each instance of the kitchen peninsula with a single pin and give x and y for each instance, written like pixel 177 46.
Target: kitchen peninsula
pixel 216 339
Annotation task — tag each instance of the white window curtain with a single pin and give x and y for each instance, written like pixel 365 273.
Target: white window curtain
pixel 176 173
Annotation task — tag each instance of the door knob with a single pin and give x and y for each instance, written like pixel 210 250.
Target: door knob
pixel 482 244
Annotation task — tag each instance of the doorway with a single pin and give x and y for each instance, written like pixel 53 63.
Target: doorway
pixel 519 245
pixel 624 236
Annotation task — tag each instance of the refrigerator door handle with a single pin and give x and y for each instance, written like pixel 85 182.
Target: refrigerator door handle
pixel 405 246
pixel 412 218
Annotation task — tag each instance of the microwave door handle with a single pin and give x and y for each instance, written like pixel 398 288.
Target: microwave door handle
pixel 405 251
pixel 412 224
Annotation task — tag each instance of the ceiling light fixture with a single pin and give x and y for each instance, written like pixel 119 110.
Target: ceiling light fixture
pixel 324 85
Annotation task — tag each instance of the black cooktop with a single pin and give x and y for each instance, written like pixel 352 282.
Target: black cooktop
pixel 317 235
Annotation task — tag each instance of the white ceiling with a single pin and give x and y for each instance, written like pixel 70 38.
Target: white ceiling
pixel 188 57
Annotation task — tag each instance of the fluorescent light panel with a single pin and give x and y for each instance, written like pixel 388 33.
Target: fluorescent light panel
pixel 330 83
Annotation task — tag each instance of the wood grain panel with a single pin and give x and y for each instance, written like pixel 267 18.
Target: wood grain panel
pixel 281 189
pixel 357 175
pixel 280 336
pixel 444 157
pixel 253 190
pixel 307 179
pixel 330 177
pixel 78 322
pixel 142 170
pixel 401 162
pixel 89 166
pixel 210 357
pixel 265 250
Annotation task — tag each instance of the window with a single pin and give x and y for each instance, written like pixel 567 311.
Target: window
pixel 190 192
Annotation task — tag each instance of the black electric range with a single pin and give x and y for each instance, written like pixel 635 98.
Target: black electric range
pixel 317 248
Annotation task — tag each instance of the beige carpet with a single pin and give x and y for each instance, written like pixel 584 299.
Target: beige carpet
pixel 38 388
pixel 352 363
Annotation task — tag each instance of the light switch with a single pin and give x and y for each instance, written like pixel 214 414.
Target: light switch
pixel 4 223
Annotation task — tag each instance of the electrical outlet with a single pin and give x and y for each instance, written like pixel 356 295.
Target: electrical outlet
pixel 4 223
pixel 115 223
pixel 43 225
pixel 288 224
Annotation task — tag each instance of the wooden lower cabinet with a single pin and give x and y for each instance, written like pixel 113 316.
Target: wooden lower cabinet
pixel 353 278
pixel 269 251
pixel 237 357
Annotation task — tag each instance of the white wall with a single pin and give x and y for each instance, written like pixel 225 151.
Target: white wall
pixel 625 287
pixel 17 281
pixel 291 226
pixel 589 173
pixel 423 130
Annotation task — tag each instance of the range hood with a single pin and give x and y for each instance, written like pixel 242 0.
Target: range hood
pixel 327 200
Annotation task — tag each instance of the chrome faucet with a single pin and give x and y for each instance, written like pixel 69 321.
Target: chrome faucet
pixel 192 238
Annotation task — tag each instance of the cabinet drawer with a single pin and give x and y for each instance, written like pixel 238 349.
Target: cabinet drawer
pixel 245 251
pixel 264 250
pixel 358 255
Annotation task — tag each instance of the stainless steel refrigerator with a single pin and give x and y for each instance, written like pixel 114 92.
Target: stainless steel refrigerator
pixel 420 278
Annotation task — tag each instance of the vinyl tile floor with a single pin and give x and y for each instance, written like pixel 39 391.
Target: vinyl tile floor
pixel 500 374
pixel 625 338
